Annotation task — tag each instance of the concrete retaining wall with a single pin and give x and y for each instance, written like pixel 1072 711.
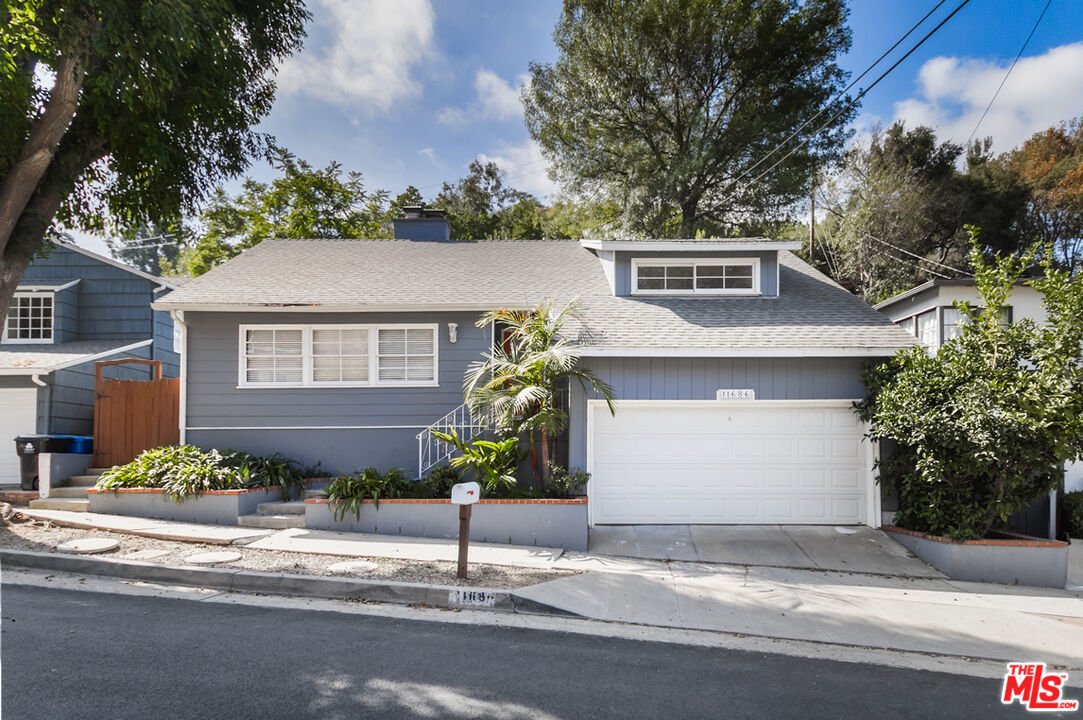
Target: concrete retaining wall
pixel 545 523
pixel 220 507
pixel 1041 563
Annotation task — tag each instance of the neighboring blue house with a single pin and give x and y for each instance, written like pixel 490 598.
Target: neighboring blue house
pixel 735 363
pixel 71 308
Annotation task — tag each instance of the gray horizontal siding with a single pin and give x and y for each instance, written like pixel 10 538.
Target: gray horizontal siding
pixel 214 400
pixel 700 378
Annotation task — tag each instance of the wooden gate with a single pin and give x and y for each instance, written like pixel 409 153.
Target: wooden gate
pixel 131 416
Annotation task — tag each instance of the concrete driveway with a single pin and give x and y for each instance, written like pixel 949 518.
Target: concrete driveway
pixel 809 547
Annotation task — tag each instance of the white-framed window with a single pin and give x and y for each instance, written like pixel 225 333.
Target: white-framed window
pixel 338 355
pixel 29 318
pixel 953 321
pixel 709 276
pixel 923 326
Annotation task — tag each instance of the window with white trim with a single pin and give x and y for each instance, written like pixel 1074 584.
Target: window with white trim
pixel 29 318
pixel 671 276
pixel 406 355
pixel 954 320
pixel 338 355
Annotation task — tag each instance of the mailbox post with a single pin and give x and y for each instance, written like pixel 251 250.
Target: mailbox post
pixel 464 495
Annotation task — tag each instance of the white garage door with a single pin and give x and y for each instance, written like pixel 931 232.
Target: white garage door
pixel 701 462
pixel 18 416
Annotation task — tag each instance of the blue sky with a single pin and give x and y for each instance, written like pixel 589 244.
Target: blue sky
pixel 410 91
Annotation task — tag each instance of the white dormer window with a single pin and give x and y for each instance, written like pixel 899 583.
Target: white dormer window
pixel 677 276
pixel 30 318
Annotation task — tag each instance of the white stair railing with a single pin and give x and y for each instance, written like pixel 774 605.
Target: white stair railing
pixel 432 451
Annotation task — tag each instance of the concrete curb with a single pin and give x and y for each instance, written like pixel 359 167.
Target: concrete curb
pixel 248 581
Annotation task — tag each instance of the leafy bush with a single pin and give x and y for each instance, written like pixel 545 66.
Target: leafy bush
pixel 1073 513
pixel 438 482
pixel 348 492
pixel 565 483
pixel 185 470
pixel 984 424
pixel 492 462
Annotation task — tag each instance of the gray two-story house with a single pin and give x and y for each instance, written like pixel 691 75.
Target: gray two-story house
pixel 74 307
pixel 735 364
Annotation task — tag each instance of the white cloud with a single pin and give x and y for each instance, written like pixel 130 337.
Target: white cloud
pixel 525 168
pixel 1042 91
pixel 497 99
pixel 371 49
pixel 428 152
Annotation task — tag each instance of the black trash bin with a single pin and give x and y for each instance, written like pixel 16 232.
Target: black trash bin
pixel 29 447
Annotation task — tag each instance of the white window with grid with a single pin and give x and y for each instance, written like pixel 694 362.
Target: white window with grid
pixel 954 320
pixel 338 355
pixel 274 356
pixel 29 319
pixel 406 355
pixel 730 276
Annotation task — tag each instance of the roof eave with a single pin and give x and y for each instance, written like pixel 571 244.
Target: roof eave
pixel 693 245
pixel 856 351
pixel 318 308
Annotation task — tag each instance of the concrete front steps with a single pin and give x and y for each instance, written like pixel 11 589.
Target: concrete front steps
pixel 71 497
pixel 276 515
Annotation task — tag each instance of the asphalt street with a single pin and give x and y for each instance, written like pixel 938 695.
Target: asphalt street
pixel 72 654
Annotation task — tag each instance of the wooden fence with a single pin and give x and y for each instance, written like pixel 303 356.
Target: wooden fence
pixel 131 416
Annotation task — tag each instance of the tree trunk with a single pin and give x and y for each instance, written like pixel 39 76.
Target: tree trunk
pixel 688 220
pixel 545 459
pixel 26 174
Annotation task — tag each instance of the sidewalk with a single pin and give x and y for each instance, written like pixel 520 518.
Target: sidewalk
pixel 917 614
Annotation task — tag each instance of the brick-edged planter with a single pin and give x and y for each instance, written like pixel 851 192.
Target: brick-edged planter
pixel 221 507
pixel 546 523
pixel 1013 561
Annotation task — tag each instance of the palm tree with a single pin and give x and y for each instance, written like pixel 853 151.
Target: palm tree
pixel 517 384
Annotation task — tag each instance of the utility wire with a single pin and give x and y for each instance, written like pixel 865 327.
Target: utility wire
pixel 838 97
pixel 861 94
pixel 918 257
pixel 885 253
pixel 1008 74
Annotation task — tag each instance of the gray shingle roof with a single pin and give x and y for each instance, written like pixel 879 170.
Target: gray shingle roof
pixel 811 312
pixel 28 359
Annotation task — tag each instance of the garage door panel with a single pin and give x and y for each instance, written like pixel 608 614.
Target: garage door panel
pixel 18 416
pixel 716 464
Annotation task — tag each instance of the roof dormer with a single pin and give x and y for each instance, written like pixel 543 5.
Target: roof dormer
pixel 731 267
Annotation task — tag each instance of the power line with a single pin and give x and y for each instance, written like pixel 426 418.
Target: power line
pixel 847 89
pixel 918 257
pixel 861 94
pixel 1010 68
pixel 884 253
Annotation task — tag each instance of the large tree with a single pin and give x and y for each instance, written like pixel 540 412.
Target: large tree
pixel 666 106
pixel 302 202
pixel 1050 164
pixel 117 112
pixel 898 206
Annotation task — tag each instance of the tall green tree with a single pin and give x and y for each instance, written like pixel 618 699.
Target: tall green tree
pixel 303 202
pixel 122 112
pixel 151 247
pixel 481 205
pixel 665 106
pixel 898 207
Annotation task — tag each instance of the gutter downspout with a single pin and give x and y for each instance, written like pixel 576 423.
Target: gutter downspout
pixel 178 320
pixel 45 420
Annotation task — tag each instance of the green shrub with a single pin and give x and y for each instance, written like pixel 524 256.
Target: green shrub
pixel 348 492
pixel 438 483
pixel 984 424
pixel 1073 513
pixel 492 462
pixel 565 483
